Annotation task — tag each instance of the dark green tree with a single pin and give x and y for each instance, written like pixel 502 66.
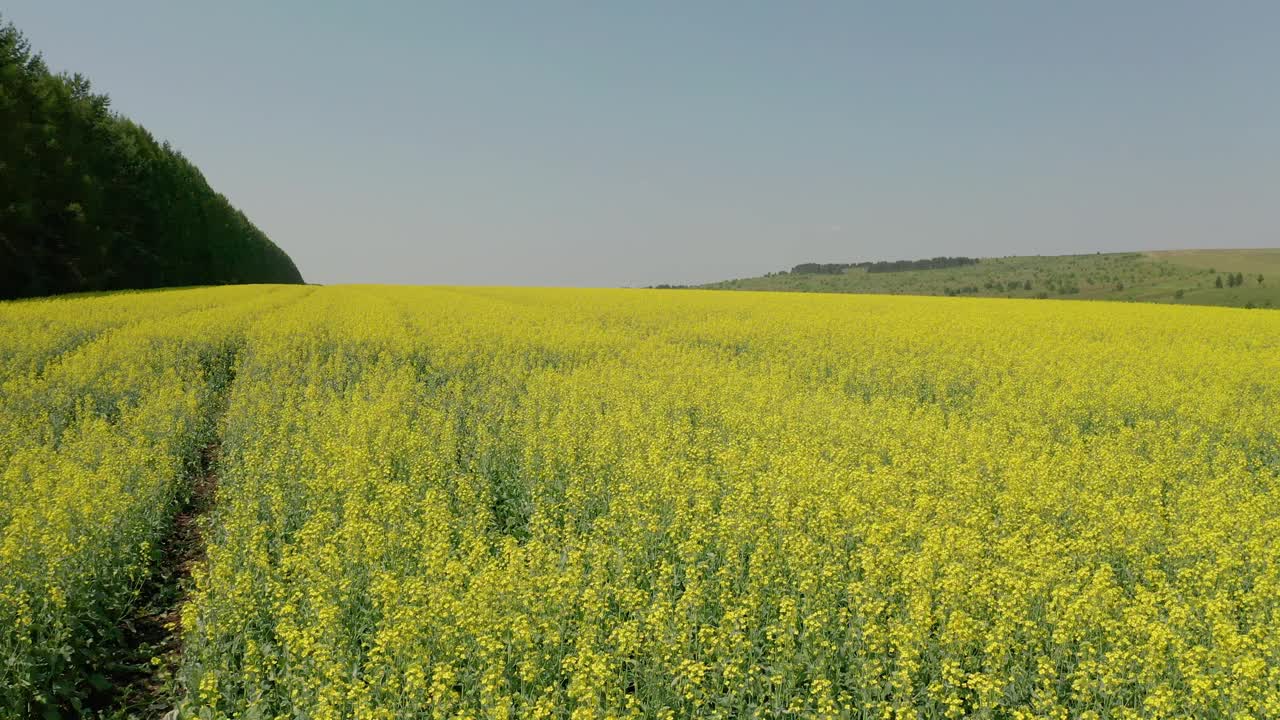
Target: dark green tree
pixel 91 201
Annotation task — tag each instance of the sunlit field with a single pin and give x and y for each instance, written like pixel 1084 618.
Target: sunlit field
pixel 527 503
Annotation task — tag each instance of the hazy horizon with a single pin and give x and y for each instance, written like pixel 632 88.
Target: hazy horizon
pixel 574 144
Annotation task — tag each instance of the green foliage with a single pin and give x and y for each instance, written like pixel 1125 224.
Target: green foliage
pixel 91 201
pixel 882 266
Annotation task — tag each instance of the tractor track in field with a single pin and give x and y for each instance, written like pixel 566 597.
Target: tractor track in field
pixel 141 682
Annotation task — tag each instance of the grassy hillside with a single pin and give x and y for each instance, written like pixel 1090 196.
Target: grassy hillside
pixel 1175 276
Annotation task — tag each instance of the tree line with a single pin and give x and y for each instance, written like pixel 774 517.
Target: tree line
pixel 1234 280
pixel 883 266
pixel 89 200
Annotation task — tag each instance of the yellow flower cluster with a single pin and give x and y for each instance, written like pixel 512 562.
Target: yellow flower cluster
pixel 509 503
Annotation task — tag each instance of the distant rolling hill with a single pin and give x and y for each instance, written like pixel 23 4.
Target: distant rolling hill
pixel 1238 278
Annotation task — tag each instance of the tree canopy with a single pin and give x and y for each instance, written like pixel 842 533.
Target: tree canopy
pixel 89 200
pixel 883 265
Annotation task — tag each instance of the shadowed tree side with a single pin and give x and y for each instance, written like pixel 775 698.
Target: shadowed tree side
pixel 89 200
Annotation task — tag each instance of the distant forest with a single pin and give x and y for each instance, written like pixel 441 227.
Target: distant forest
pixel 883 266
pixel 89 200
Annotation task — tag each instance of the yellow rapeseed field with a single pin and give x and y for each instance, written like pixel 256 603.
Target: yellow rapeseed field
pixel 590 504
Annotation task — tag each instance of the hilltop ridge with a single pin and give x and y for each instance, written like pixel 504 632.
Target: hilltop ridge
pixel 1236 278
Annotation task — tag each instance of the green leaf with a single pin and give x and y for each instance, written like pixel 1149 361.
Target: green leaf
pixel 99 682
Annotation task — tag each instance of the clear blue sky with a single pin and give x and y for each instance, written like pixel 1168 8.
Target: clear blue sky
pixel 612 143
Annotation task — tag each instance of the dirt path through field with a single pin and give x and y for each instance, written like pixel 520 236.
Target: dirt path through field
pixel 141 683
